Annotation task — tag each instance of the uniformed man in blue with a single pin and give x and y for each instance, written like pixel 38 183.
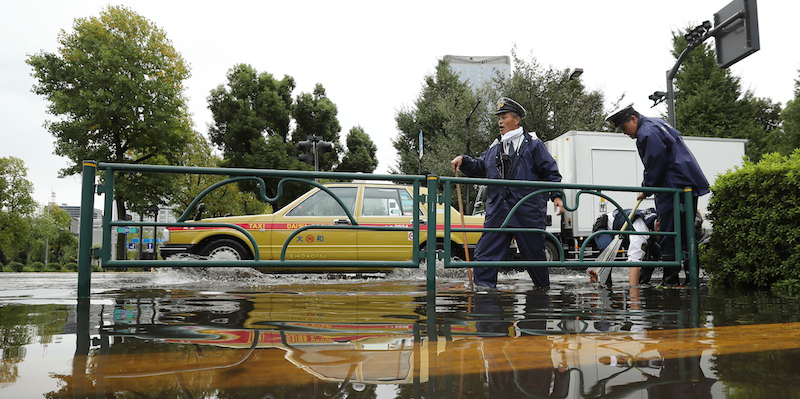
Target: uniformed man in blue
pixel 668 162
pixel 516 155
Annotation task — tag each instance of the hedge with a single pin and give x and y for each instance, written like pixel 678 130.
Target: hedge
pixel 755 211
pixel 16 266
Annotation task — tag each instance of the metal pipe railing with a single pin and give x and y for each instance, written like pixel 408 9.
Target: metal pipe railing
pixel 432 199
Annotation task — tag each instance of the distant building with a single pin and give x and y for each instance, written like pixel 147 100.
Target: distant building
pixel 75 225
pixel 75 213
pixel 165 215
pixel 475 71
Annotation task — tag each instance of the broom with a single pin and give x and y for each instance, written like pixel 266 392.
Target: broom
pixel 600 273
pixel 466 248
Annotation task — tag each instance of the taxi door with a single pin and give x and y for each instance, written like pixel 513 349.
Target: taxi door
pixel 317 244
pixel 386 206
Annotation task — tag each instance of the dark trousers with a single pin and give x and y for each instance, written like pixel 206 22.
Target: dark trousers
pixel 494 246
pixel 666 219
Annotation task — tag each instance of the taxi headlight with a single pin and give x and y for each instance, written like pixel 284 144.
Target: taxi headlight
pixel 165 235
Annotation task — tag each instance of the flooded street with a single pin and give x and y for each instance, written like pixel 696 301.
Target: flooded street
pixel 236 333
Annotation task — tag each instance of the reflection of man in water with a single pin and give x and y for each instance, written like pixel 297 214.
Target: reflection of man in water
pixel 663 376
pixel 518 367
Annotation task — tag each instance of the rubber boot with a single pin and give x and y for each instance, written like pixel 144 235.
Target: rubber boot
pixel 671 278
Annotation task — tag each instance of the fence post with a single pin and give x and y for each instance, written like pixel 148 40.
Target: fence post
pixel 694 272
pixel 433 181
pixel 85 239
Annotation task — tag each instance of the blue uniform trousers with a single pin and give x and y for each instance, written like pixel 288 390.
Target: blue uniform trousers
pixel 667 223
pixel 493 246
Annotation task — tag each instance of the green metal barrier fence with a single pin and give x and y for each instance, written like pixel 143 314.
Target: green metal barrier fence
pixel 583 189
pixel 89 189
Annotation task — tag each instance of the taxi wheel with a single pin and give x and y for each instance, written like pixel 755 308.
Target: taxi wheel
pixel 226 249
pixel 455 250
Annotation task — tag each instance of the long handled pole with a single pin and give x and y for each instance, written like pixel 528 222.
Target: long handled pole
pixel 463 225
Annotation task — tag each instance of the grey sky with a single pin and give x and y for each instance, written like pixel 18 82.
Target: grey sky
pixel 371 57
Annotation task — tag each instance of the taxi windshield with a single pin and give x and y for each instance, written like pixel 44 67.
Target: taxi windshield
pixel 322 204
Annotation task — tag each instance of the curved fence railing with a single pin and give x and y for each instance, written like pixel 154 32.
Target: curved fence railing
pixel 430 200
pixel 571 204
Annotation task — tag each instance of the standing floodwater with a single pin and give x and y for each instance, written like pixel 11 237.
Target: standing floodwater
pixel 235 333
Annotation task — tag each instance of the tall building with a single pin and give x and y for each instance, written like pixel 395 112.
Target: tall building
pixel 477 70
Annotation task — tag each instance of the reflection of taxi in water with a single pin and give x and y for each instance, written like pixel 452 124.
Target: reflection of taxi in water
pixel 371 204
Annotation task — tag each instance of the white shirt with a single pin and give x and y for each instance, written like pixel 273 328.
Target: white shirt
pixel 637 241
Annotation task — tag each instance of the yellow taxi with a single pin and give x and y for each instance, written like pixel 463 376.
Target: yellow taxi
pixel 371 204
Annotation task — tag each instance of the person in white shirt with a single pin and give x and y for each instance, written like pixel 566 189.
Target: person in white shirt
pixel 638 245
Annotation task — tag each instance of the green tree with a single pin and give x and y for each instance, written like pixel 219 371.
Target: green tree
pixel 50 232
pixel 709 102
pixel 555 103
pixel 791 122
pixel 116 86
pixel 16 205
pixel 440 113
pixel 361 153
pixel 248 112
pixel 315 114
pixel 252 115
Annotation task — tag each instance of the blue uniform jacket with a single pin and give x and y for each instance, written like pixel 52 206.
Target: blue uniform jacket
pixel 533 162
pixel 667 160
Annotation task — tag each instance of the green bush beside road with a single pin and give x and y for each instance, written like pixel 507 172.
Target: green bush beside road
pixel 755 210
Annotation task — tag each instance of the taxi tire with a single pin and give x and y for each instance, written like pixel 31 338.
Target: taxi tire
pixel 456 253
pixel 227 246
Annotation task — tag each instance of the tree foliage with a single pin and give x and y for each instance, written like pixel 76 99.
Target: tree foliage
pixel 249 111
pixel 361 153
pixel 756 214
pixel 791 122
pixel 315 114
pixel 555 103
pixel 439 113
pixel 252 117
pixel 710 102
pixel 50 232
pixel 116 86
pixel 16 205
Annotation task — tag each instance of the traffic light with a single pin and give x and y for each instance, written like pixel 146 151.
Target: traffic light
pixel 313 146
pixel 324 146
pixel 307 147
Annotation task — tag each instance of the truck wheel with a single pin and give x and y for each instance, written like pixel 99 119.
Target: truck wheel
pixel 226 249
pixel 551 251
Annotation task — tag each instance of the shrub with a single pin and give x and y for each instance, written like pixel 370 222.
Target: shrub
pixel 755 211
pixel 38 266
pixel 53 267
pixel 71 267
pixel 16 266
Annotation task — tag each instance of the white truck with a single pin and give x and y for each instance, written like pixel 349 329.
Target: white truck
pixel 611 159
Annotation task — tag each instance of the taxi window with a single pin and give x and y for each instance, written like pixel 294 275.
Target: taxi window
pixel 407 202
pixel 380 201
pixel 322 204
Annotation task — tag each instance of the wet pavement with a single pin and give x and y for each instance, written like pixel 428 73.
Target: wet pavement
pixel 235 333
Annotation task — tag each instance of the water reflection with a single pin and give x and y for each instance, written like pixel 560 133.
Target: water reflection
pixel 389 339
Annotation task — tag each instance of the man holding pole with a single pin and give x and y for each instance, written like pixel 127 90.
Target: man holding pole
pixel 668 162
pixel 516 155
